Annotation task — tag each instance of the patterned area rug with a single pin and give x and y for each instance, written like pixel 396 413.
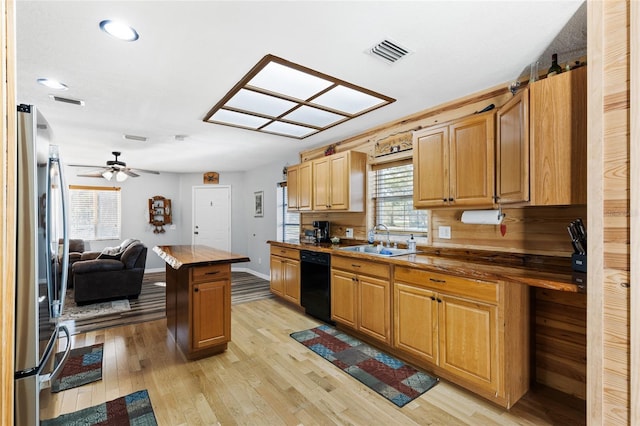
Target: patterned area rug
pixel 132 409
pixel 83 366
pixel 388 376
pixel 75 312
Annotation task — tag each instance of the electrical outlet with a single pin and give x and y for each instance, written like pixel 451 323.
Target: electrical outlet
pixel 444 232
pixel 349 233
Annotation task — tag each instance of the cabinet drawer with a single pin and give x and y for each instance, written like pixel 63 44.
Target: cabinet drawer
pixel 358 266
pixel 474 289
pixel 285 252
pixel 210 273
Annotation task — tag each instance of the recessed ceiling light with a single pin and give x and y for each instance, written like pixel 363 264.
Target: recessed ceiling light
pixel 283 98
pixel 52 84
pixel 119 30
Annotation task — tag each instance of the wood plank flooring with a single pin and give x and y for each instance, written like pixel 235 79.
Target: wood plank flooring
pixel 267 378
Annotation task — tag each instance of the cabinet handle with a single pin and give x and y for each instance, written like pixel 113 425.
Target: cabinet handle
pixel 355 265
pixel 435 280
pixel 433 298
pixel 211 273
pixel 439 300
pixel 450 198
pixel 195 290
pixel 444 200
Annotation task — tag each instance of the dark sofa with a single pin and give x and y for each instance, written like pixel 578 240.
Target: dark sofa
pixel 101 279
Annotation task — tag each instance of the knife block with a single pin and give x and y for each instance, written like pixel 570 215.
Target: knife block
pixel 579 262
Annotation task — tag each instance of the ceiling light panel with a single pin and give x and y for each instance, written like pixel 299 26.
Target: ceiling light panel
pixel 278 96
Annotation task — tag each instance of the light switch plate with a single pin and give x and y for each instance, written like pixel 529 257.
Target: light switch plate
pixel 444 232
pixel 349 233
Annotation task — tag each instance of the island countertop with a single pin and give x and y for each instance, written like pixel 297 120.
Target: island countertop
pixel 196 255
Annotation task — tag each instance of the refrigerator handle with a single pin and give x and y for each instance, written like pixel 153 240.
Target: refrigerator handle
pixel 65 233
pixel 57 291
pixel 58 368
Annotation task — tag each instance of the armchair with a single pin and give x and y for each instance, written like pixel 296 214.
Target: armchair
pixel 115 277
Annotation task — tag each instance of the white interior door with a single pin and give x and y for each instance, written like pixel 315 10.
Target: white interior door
pixel 212 216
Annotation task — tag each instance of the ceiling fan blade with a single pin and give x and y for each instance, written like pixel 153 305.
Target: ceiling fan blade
pixel 84 165
pixel 97 174
pixel 145 171
pixel 129 172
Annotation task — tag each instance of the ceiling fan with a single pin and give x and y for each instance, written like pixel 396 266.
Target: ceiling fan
pixel 114 168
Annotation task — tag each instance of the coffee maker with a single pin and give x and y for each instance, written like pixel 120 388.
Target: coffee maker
pixel 321 231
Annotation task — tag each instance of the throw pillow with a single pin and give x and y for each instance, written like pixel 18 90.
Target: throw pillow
pixel 116 252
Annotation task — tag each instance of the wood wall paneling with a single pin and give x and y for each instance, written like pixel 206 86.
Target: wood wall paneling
pixel 7 206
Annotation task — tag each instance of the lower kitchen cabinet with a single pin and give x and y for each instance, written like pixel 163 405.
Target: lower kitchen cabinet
pixel 285 273
pixel 361 296
pixel 474 333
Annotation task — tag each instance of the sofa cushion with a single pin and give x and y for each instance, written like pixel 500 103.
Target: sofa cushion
pixel 96 265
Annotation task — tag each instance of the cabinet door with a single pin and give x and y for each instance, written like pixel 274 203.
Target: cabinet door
pixel 304 186
pixel 375 307
pixel 416 321
pixel 339 181
pixel 291 278
pixel 431 167
pixel 343 298
pixel 472 163
pixel 468 340
pixel 293 189
pixel 211 313
pixel 512 150
pixel 321 182
pixel 559 139
pixel 277 276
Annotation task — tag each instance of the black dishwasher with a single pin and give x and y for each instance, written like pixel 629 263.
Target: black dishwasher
pixel 315 284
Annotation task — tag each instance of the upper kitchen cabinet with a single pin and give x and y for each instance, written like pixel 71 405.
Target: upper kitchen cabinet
pixel 454 163
pixel 299 191
pixel 558 137
pixel 339 182
pixel 512 150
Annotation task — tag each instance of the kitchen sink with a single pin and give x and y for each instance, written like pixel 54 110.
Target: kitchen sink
pixel 375 250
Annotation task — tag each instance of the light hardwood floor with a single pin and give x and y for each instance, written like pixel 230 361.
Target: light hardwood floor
pixel 267 378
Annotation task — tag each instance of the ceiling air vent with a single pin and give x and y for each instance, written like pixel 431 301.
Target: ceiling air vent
pixel 135 138
pixel 67 100
pixel 389 51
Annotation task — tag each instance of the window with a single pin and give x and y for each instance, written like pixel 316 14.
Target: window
pixel 392 192
pixel 288 223
pixel 94 212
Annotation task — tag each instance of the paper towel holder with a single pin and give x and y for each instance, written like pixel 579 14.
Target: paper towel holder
pixel 483 217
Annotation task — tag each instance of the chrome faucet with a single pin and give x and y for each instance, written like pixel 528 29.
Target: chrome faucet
pixel 386 229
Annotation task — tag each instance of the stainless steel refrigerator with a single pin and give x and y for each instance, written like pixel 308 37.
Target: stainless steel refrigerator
pixel 41 263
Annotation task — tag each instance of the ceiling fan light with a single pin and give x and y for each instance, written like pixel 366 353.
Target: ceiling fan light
pixel 121 176
pixel 107 174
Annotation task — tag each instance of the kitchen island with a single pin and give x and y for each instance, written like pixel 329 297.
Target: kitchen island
pixel 198 297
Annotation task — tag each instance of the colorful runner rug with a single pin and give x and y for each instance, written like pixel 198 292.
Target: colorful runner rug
pixel 83 366
pixel 132 409
pixel 388 376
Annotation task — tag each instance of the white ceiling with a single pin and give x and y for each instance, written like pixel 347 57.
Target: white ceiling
pixel 191 53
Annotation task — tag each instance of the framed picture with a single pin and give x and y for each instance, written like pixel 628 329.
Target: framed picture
pixel 258 203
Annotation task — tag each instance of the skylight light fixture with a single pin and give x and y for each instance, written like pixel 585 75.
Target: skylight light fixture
pixel 279 97
pixel 119 30
pixel 52 84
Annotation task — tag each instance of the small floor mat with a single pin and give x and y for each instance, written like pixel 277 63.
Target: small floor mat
pixel 83 366
pixel 398 382
pixel 132 409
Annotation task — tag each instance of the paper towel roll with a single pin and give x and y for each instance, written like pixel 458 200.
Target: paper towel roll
pixel 482 217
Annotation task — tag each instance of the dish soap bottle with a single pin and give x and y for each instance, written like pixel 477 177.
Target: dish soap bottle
pixel 411 244
pixel 370 237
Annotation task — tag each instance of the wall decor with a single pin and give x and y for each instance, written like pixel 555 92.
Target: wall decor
pixel 394 143
pixel 211 177
pixel 258 196
pixel 159 213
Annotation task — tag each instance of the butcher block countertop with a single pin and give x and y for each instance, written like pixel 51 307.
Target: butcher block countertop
pixel 555 275
pixel 196 255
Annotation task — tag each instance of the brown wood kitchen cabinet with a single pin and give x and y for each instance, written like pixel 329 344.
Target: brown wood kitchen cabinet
pixel 472 332
pixel 211 306
pixel 339 182
pixel 512 150
pixel 285 273
pixel 299 188
pixel 361 296
pixel 453 163
pixel 559 139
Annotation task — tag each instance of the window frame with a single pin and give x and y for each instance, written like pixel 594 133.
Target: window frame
pixel 282 213
pixel 95 219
